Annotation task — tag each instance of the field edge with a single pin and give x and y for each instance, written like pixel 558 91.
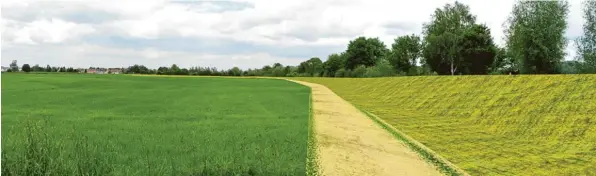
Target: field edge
pixel 426 153
pixel 312 166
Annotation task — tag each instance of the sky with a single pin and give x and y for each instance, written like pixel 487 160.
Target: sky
pixel 222 34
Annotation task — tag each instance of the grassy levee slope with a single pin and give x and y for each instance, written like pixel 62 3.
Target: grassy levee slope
pixel 63 124
pixel 489 125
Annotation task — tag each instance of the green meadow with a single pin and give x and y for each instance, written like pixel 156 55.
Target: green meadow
pixel 69 124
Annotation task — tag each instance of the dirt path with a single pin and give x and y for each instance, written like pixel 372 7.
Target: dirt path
pixel 349 143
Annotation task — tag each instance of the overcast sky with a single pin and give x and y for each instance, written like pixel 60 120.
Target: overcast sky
pixel 223 34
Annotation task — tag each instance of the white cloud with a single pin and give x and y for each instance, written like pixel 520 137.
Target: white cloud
pixel 85 55
pixel 281 24
pixel 44 31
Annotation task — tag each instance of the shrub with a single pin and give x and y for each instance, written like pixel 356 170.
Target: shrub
pixel 304 75
pixel 359 72
pixel 348 73
pixel 292 74
pixel 340 73
pixel 372 72
pixel 384 68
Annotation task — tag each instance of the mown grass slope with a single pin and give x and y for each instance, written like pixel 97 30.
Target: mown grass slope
pixel 489 125
pixel 65 124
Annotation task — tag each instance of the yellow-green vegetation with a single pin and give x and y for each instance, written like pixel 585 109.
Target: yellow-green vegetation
pixel 489 125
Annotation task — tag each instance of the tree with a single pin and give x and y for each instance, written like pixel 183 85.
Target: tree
pixel 183 71
pixel 48 68
pixel 37 68
pixel 278 70
pixel 138 69
pixel 534 33
pixel 333 63
pixel 443 53
pixel 586 44
pixel 174 70
pixel 503 63
pixel 364 51
pixel 292 71
pixel 311 67
pixel 26 68
pixel 162 71
pixel 405 52
pixel 14 66
pixel 570 67
pixel 277 65
pixel 443 36
pixel 236 71
pixel 479 50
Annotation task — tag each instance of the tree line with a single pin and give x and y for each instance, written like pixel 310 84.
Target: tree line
pixel 14 67
pixel 452 43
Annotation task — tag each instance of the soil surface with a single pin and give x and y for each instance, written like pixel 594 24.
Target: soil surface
pixel 350 143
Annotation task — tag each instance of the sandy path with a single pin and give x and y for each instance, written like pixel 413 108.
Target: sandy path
pixel 349 143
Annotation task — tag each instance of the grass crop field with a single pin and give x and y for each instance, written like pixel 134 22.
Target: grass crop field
pixel 489 125
pixel 68 124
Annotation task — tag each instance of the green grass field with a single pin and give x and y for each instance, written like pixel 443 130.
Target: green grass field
pixel 68 124
pixel 489 125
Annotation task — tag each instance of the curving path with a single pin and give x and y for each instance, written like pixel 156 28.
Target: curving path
pixel 350 143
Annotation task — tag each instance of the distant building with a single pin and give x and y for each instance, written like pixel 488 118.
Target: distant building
pixel 101 71
pixel 115 70
pixel 4 69
pixel 104 71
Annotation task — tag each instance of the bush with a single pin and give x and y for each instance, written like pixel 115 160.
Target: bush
pixel 293 74
pixel 348 73
pixel 371 72
pixel 413 71
pixel 384 68
pixel 359 72
pixel 278 71
pixel 304 75
pixel 340 73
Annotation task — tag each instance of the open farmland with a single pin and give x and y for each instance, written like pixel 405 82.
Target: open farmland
pixel 59 124
pixel 489 125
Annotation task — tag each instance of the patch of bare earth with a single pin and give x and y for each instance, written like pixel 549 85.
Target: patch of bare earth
pixel 350 143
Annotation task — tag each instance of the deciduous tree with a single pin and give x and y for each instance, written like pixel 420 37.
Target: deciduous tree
pixel 333 63
pixel 364 51
pixel 405 52
pixel 586 44
pixel 443 36
pixel 14 66
pixel 26 68
pixel 534 34
pixel 311 67
pixel 479 50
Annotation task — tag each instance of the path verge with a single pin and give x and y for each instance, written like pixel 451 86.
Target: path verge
pixel 348 142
